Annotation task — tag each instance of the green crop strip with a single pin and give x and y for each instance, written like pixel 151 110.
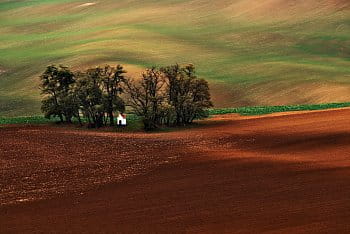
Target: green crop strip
pixel 262 110
pixel 135 120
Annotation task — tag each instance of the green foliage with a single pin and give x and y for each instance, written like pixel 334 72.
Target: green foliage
pixel 97 94
pixel 94 92
pixel 55 86
pixel 27 120
pixel 89 96
pixel 112 79
pixel 135 122
pixel 146 97
pixel 262 110
pixel 170 95
pixel 188 95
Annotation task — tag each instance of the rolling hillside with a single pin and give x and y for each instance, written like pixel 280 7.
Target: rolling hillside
pixel 253 52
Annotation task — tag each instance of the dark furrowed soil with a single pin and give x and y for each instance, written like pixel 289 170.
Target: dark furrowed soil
pixel 280 173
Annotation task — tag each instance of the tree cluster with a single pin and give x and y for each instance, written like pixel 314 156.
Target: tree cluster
pixel 93 94
pixel 171 95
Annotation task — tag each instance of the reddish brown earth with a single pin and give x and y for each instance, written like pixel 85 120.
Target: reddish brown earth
pixel 278 173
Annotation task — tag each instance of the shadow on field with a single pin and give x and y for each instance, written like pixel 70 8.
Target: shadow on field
pixel 240 195
pixel 284 143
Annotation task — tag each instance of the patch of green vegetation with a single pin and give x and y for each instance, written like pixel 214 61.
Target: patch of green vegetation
pixel 135 122
pixel 262 110
pixel 27 120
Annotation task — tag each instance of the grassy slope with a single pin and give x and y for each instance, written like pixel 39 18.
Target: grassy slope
pixel 254 52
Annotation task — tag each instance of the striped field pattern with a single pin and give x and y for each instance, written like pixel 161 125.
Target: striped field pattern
pixel 253 52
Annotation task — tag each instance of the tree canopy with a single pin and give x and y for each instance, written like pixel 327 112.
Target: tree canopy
pixel 171 95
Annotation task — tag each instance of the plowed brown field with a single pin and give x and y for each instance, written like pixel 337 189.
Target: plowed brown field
pixel 283 173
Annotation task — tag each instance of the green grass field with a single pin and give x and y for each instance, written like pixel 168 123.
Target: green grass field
pixel 134 122
pixel 253 52
pixel 263 110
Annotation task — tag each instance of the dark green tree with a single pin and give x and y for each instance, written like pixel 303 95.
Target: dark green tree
pixel 89 96
pixel 188 95
pixel 146 97
pixel 112 79
pixel 55 86
pixel 196 107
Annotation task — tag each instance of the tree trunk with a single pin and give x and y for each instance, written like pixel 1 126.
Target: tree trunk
pixel 56 103
pixel 61 118
pixel 111 118
pixel 79 120
pixel 68 118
